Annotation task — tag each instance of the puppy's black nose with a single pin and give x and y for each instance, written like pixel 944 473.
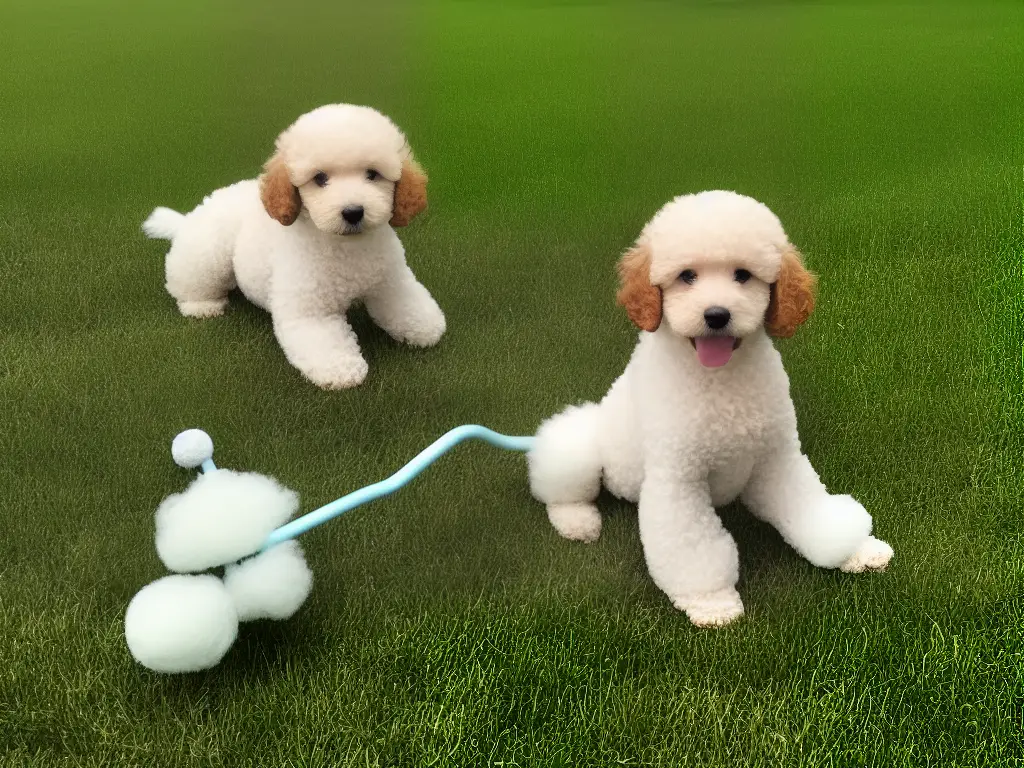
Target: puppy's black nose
pixel 716 317
pixel 353 214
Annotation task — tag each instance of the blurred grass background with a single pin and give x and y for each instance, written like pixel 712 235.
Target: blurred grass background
pixel 449 625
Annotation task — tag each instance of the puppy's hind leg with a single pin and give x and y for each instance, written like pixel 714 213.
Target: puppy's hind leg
pixel 565 471
pixel 198 266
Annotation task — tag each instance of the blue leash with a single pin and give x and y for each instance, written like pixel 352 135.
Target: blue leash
pixel 402 477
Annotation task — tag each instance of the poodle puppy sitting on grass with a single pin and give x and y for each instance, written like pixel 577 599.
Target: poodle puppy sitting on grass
pixel 702 414
pixel 309 238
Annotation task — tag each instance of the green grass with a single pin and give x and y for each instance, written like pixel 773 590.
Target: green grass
pixel 449 625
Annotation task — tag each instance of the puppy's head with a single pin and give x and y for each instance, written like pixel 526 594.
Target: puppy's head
pixel 715 267
pixel 348 167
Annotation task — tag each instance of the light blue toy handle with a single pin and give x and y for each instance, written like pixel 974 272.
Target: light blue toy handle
pixel 401 478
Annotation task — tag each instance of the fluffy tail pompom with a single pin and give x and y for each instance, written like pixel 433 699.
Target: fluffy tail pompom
pixel 565 461
pixel 163 224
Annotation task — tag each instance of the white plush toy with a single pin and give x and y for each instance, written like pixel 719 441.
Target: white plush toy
pixel 187 622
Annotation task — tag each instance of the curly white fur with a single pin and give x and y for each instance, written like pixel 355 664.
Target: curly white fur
pixel 565 471
pixel 682 432
pixel 272 585
pixel 220 518
pixel 309 273
pixel 181 624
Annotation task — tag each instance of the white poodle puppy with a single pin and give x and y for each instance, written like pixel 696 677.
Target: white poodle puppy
pixel 312 236
pixel 702 414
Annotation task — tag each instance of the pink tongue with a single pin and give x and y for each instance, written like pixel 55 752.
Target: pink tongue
pixel 714 351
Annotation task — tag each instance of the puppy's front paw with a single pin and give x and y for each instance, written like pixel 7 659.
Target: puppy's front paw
pixel 343 374
pixel 428 331
pixel 203 309
pixel 715 609
pixel 578 522
pixel 873 555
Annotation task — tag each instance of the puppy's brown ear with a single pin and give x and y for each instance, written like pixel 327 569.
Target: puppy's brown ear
pixel 792 296
pixel 279 197
pixel 410 194
pixel 641 299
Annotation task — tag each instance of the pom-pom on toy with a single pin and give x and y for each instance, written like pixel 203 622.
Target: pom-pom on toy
pixel 188 621
pixel 221 518
pixel 192 448
pixel 181 623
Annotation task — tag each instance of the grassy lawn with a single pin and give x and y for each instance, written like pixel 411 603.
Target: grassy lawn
pixel 449 625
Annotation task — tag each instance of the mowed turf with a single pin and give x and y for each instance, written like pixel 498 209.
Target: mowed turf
pixel 449 625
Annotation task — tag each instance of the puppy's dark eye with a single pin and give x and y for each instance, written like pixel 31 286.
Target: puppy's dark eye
pixel 742 275
pixel 320 179
pixel 372 175
pixel 688 276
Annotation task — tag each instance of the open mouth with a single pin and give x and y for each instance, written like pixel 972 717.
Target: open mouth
pixel 715 351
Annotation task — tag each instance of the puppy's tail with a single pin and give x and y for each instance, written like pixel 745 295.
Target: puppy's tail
pixel 163 223
pixel 565 461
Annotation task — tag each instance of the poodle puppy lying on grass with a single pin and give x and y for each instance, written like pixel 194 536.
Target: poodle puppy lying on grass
pixel 702 414
pixel 309 238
